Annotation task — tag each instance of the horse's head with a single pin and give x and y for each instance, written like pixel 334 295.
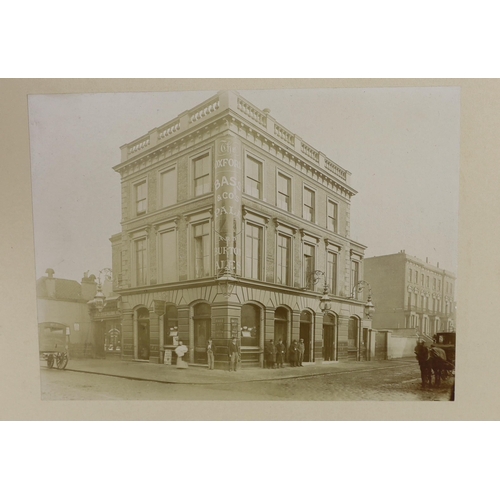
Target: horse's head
pixel 422 352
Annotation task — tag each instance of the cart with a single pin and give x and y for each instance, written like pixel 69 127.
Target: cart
pixel 53 343
pixel 447 342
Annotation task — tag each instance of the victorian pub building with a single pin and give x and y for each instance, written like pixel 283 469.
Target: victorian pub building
pixel 232 225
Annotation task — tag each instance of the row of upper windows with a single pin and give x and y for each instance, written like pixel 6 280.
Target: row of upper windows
pixel 423 302
pixel 201 258
pixel 414 276
pixel 201 167
pixel 428 326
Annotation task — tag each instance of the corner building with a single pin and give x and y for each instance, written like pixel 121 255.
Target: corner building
pixel 225 190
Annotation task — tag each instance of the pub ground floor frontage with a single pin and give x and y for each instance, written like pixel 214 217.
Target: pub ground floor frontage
pixel 154 322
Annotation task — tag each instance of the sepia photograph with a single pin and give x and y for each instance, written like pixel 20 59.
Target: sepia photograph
pixel 247 245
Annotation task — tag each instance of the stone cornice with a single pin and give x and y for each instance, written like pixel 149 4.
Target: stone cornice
pixel 278 223
pixel 245 210
pixel 148 154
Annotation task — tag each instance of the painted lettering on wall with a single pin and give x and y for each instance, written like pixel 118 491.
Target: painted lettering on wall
pixel 227 213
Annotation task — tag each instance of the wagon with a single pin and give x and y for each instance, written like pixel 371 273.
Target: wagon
pixel 447 341
pixel 53 343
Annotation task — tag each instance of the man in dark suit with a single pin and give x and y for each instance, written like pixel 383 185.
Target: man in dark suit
pixel 280 353
pixel 270 354
pixel 293 354
pixel 234 354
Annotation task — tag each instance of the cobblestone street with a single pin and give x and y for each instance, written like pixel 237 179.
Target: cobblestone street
pixel 396 380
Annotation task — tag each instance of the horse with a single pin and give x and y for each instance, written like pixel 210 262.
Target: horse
pixel 431 360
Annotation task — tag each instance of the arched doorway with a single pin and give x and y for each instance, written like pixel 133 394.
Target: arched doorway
pixel 170 326
pixel 306 334
pixel 352 337
pixel 329 337
pixel 143 333
pixel 202 329
pixel 281 325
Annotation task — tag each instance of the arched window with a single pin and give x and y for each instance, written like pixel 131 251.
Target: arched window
pixel 329 337
pixel 352 333
pixel 250 325
pixel 281 325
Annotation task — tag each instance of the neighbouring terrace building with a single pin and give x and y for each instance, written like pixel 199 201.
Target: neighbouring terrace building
pixel 411 293
pixel 67 305
pixel 230 224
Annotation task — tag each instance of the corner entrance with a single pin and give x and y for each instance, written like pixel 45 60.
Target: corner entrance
pixel 202 331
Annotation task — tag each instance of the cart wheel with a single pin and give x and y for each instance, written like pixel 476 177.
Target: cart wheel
pixel 50 361
pixel 62 361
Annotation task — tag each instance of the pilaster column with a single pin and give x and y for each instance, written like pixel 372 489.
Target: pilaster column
pixel 318 337
pixel 295 330
pixel 127 334
pixel 186 333
pixel 343 334
pixel 154 337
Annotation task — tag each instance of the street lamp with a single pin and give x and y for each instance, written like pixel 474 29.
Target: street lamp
pixel 99 300
pixel 325 302
pixel 369 307
pixel 226 282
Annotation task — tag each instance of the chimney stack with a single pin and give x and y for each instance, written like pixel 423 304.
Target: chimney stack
pixel 50 283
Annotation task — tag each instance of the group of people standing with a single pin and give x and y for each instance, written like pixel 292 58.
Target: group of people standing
pixel 275 354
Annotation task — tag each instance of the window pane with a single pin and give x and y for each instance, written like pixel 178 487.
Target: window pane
pixel 308 205
pixel 250 323
pixel 140 197
pixel 202 250
pixel 283 196
pixel 308 265
pixel 169 187
pixel 168 253
pixel 253 173
pixel 355 277
pixel 332 272
pixel 253 246
pixel 202 169
pixel 332 216
pixel 283 260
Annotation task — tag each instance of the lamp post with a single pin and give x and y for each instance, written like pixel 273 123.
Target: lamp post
pixel 226 282
pixel 369 307
pixel 99 300
pixel 325 302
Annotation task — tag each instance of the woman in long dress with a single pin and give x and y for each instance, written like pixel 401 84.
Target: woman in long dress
pixel 180 350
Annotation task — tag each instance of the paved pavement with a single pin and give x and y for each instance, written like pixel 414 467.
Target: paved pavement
pixel 113 379
pixel 136 370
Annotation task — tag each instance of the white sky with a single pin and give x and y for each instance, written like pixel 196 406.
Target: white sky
pixel 400 144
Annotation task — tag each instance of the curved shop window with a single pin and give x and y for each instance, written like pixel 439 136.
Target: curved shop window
pixel 170 326
pixel 250 325
pixel 281 325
